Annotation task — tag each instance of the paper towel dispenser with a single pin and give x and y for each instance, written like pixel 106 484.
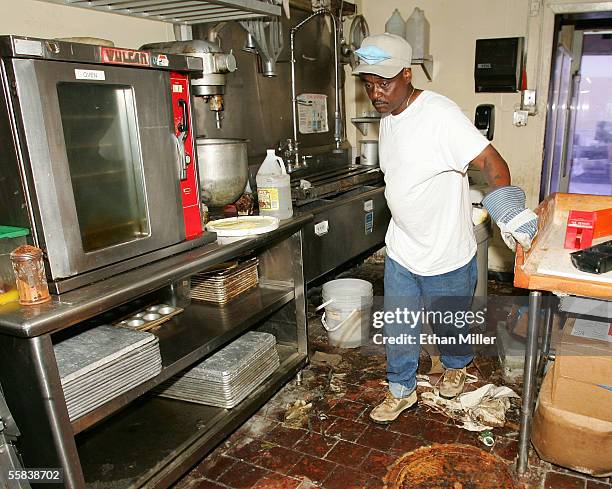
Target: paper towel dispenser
pixel 498 64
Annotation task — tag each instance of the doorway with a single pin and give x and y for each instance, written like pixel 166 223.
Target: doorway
pixel 578 143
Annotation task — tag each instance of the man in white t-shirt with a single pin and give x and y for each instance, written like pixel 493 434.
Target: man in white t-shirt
pixel 425 146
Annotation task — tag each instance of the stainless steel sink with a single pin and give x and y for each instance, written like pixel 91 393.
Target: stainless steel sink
pixel 327 179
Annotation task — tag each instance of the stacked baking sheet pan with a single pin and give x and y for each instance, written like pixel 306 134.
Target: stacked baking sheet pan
pixel 221 285
pixel 102 363
pixel 230 375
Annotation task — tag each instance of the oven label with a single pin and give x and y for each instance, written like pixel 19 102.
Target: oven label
pixel 369 222
pixel 89 75
pixel 120 56
pixel 161 60
pixel 28 47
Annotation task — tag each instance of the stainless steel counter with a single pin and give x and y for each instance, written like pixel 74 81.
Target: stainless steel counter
pixel 32 385
pixel 81 304
pixel 345 228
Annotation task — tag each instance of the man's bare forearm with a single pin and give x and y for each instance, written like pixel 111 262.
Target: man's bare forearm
pixel 493 166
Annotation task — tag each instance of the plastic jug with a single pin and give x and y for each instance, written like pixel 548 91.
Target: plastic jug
pixel 274 187
pixel 417 34
pixel 395 24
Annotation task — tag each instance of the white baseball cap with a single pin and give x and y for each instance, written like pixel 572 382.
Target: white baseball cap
pixel 383 55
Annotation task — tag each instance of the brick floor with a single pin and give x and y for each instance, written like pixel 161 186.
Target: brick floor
pixel 338 447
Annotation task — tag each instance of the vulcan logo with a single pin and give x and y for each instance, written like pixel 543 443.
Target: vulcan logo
pixel 117 56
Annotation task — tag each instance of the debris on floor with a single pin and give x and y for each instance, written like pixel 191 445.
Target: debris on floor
pixel 321 358
pixel 482 409
pixel 297 414
pixel 329 442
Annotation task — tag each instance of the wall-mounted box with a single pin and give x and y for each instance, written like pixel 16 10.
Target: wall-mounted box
pixel 498 64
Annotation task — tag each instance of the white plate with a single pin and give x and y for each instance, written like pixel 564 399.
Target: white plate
pixel 242 226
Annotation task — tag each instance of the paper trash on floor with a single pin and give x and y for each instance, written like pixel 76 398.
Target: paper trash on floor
pixel 482 409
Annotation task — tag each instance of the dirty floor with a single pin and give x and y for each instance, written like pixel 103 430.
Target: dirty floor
pixel 316 432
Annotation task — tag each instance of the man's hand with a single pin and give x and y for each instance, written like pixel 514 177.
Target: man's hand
pixel 516 223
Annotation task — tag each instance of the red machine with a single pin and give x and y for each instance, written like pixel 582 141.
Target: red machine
pixel 584 226
pixel 183 128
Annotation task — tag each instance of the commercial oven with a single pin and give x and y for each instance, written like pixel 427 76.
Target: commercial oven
pixel 97 153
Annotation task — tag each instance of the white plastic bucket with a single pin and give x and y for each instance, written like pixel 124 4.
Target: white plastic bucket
pixel 347 316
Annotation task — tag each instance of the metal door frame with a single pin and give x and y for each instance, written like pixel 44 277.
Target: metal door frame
pixel 555 104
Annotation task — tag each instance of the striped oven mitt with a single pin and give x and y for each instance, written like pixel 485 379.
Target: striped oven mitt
pixel 516 223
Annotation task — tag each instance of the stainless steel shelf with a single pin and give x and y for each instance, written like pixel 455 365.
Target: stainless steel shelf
pixel 427 64
pixel 156 439
pixel 175 434
pixel 361 123
pixel 184 12
pixel 197 332
pixel 84 303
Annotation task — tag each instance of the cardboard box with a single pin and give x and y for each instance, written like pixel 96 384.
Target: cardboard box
pixel 571 439
pixel 589 400
pixel 518 323
pixel 582 358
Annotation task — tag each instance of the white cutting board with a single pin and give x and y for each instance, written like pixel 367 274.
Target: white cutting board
pixel 556 260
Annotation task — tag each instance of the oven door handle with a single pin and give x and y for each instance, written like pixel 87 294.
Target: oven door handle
pixel 180 156
pixel 183 126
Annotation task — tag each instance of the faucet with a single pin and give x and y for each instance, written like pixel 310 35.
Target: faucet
pixel 337 113
pixel 289 152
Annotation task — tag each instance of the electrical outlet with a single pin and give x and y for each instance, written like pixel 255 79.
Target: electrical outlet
pixel 321 228
pixel 519 118
pixel 528 101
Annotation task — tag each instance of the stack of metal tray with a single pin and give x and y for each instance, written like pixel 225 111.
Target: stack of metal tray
pixel 102 363
pixel 221 285
pixel 230 375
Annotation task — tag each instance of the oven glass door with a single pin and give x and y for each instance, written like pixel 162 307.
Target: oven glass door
pixel 103 160
pixel 105 163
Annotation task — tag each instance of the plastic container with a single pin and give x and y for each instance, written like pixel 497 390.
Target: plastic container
pixel 395 24
pixel 347 317
pixel 417 34
pixel 30 276
pixel 10 238
pixel 274 188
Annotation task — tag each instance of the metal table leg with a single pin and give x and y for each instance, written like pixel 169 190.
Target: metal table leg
pixel 546 339
pixel 529 377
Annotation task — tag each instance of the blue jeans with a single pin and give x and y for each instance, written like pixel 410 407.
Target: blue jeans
pixel 445 294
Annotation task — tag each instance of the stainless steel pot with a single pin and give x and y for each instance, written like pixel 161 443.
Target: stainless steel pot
pixel 369 152
pixel 224 169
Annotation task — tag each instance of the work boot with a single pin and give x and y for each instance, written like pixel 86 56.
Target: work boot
pixel 452 382
pixel 389 410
